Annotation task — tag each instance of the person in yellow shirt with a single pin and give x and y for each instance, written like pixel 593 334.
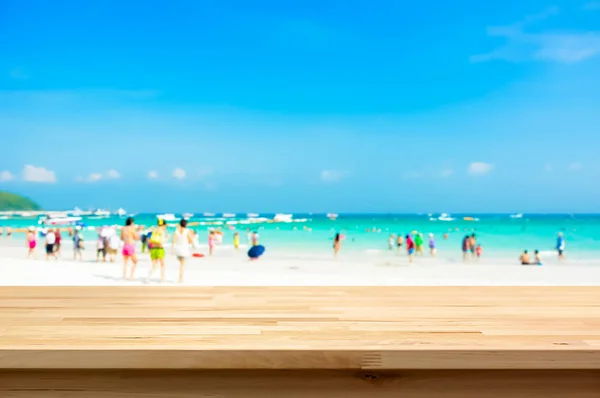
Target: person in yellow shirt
pixel 157 248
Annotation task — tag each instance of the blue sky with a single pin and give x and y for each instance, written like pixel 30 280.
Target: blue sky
pixel 384 106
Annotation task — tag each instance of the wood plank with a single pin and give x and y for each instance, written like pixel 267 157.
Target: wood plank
pixel 299 327
pixel 300 384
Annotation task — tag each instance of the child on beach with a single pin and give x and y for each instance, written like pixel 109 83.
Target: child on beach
pixel 77 244
pixel 479 251
pixel 399 243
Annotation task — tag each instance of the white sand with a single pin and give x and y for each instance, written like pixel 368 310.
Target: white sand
pixel 230 268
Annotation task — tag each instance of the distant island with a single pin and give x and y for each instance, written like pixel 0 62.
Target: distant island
pixel 13 202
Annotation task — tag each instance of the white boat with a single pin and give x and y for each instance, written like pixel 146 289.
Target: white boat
pixel 228 215
pixel 208 214
pixel 168 217
pixel 445 217
pixel 187 216
pixel 121 212
pixel 332 216
pixel 518 215
pixel 252 215
pixel 283 217
pixel 53 220
pixel 102 213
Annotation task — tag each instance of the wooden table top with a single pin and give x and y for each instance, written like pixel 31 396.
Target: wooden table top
pixel 300 327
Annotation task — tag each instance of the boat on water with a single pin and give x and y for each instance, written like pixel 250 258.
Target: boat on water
pixel 208 214
pixel 252 215
pixel 187 216
pixel 228 215
pixel 281 217
pixel 168 217
pixel 101 213
pixel 518 215
pixel 445 217
pixel 121 212
pixel 332 216
pixel 53 219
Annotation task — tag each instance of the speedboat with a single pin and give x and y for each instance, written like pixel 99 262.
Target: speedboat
pixel 518 215
pixel 121 212
pixel 228 215
pixel 252 215
pixel 187 216
pixel 208 214
pixel 58 220
pixel 332 216
pixel 102 213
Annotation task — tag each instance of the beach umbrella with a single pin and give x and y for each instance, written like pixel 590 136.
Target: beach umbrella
pixel 256 251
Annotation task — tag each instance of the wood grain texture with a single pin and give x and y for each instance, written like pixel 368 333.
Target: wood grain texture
pixel 299 328
pixel 299 384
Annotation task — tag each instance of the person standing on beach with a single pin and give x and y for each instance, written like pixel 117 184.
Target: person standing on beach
pixel 182 239
pixel 418 244
pixel 410 247
pixel 129 236
pixel 249 236
pixel 255 237
pixel 50 241
pixel 391 242
pixel 432 248
pixel 113 246
pixel 31 243
pixel 236 240
pixel 466 247
pixel 560 246
pixel 473 245
pixel 57 243
pixel 337 244
pixel 157 249
pixel 100 248
pixel 399 243
pixel 77 244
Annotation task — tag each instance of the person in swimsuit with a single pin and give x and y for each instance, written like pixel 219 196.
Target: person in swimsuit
pixel 560 246
pixel 50 242
pixel 236 240
pixel 31 243
pixel 157 249
pixel 418 244
pixel 129 236
pixel 466 247
pixel 337 244
pixel 182 239
pixel 472 245
pixel 57 243
pixel 212 241
pixel 410 248
pixel 479 251
pixel 77 244
pixel 524 259
pixel 391 240
pixel 399 243
pixel 432 248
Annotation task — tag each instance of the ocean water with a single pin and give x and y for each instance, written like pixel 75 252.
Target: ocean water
pixel 500 235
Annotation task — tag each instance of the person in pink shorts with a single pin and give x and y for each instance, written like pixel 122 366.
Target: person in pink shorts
pixel 129 235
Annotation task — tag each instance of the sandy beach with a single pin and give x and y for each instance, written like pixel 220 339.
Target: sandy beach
pixel 283 268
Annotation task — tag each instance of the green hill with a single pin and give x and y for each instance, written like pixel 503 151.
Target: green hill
pixel 13 202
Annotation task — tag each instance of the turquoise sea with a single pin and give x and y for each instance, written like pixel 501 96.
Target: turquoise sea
pixel 501 235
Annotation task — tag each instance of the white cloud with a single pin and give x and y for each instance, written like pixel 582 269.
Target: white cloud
pixel 331 175
pixel 555 46
pixel 152 175
pixel 38 174
pixel 94 177
pixel 179 174
pixel 479 168
pixel 114 174
pixel 6 176
pixel 446 173
pixel 575 166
